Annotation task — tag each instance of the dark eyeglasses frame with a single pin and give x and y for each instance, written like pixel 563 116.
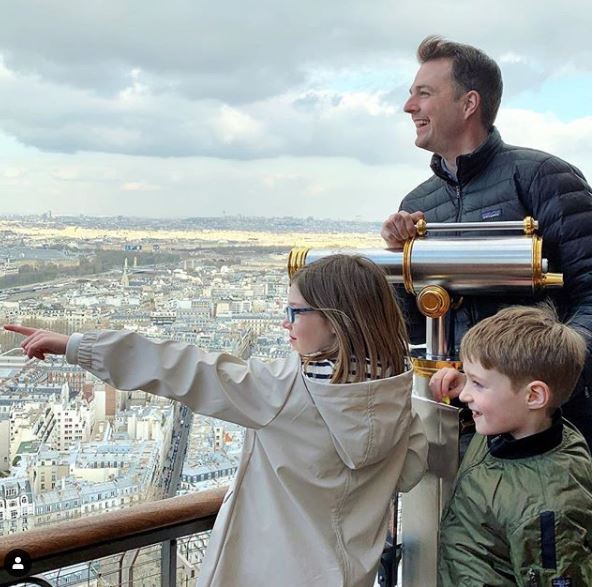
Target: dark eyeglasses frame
pixel 292 313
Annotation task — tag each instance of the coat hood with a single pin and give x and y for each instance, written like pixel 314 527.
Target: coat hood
pixel 366 420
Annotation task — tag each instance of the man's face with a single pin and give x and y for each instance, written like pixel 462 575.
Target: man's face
pixel 436 112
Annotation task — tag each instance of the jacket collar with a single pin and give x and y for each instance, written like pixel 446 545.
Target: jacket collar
pixel 505 446
pixel 471 164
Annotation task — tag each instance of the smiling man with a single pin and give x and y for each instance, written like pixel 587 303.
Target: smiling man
pixel 453 104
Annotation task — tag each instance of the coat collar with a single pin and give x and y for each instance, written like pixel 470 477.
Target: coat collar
pixel 471 164
pixel 504 446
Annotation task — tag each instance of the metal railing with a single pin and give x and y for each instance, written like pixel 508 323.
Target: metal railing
pixel 127 533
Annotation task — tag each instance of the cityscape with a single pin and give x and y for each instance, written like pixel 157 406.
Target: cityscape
pixel 72 446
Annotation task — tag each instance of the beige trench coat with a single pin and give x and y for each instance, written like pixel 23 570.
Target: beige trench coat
pixel 309 504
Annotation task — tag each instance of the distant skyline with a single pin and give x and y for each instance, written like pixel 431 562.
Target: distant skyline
pixel 193 109
pixel 236 222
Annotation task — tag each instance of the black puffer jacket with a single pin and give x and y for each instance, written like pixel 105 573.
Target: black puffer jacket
pixel 501 182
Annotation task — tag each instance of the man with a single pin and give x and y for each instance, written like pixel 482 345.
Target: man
pixel 453 103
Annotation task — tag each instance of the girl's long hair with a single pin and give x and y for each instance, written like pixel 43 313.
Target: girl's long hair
pixel 354 296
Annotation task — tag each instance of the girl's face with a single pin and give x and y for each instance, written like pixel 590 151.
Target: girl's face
pixel 311 332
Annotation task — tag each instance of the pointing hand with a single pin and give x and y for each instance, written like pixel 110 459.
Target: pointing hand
pixel 39 342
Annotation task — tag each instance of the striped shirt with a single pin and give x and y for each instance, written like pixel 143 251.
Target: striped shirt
pixel 325 369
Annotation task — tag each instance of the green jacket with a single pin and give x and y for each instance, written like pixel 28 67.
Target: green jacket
pixel 521 513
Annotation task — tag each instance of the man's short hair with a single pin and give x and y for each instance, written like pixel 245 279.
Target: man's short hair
pixel 528 344
pixel 471 69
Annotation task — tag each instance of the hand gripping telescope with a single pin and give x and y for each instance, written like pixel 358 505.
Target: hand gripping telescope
pixel 439 269
pixel 434 268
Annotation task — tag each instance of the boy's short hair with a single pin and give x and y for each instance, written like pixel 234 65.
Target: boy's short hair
pixel 527 344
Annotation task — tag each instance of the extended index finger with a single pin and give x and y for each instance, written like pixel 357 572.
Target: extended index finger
pixel 24 330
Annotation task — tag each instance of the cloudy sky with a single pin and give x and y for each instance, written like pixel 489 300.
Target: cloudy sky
pixel 263 107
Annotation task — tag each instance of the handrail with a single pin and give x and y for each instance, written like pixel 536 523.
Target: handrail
pixel 88 538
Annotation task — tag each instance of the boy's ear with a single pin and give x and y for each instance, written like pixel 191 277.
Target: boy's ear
pixel 539 395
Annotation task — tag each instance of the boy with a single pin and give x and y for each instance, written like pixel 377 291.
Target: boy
pixel 521 509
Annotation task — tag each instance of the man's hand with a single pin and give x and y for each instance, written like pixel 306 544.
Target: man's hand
pixel 399 227
pixel 39 342
pixel 447 382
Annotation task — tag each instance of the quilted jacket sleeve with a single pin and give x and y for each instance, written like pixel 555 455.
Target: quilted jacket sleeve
pixel 561 199
pixel 250 393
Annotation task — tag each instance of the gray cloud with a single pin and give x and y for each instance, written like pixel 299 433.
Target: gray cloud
pixel 267 103
pixel 215 50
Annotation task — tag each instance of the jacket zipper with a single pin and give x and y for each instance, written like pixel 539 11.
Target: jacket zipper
pixel 459 198
pixel 470 305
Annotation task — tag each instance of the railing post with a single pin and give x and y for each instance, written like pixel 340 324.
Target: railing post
pixel 168 563
pixel 121 569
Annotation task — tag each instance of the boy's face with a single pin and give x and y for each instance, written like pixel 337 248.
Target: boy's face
pixel 496 407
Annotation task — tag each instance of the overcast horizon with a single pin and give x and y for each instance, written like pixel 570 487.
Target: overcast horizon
pixel 193 109
pixel 166 219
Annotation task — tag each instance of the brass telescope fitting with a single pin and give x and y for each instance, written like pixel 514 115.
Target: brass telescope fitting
pixel 530 225
pixel 296 261
pixel 421 227
pixel 407 278
pixel 540 279
pixel 433 301
pixel 551 280
pixel 427 367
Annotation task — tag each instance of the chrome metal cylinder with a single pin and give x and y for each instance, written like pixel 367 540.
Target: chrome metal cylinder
pixel 511 225
pixel 390 260
pixel 460 265
pixel 438 342
pixel 470 265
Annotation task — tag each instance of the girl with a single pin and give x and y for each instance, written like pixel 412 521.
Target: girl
pixel 330 432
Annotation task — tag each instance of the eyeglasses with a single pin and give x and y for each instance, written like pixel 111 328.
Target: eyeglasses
pixel 293 312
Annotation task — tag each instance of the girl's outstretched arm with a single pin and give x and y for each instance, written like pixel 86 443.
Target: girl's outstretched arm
pixel 250 393
pixel 40 342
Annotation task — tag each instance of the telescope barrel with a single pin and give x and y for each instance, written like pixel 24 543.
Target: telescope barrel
pixel 461 265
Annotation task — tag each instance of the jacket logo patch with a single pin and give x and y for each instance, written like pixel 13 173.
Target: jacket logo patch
pixel 487 214
pixel 562 582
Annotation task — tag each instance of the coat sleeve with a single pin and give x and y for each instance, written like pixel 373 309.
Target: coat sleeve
pixel 249 393
pixel 554 544
pixel 561 201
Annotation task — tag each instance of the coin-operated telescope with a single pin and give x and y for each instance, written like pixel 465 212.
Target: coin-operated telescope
pixel 440 270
